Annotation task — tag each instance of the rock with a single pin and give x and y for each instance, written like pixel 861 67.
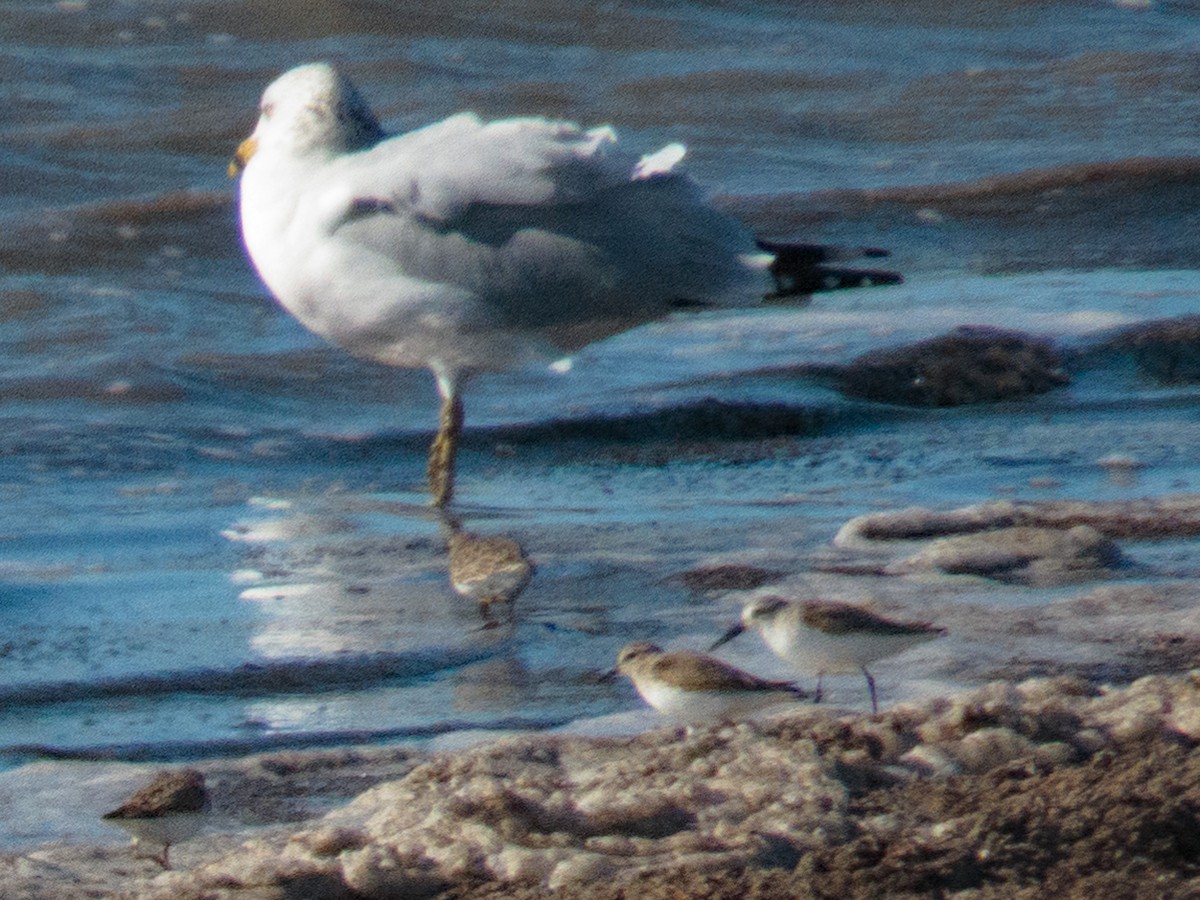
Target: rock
pixel 990 748
pixel 331 841
pixel 1171 515
pixel 582 868
pixel 1022 555
pixel 930 761
pixel 727 577
pixel 1167 350
pixel 917 522
pixel 380 872
pixel 972 365
pixel 1025 542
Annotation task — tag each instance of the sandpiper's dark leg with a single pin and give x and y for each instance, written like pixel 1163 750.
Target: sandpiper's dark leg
pixel 164 860
pixel 444 449
pixel 819 692
pixel 871 688
pixel 485 612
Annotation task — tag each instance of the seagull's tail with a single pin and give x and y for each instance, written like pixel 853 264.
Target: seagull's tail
pixel 800 270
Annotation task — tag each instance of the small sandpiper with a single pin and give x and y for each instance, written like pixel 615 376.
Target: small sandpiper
pixel 824 636
pixel 168 810
pixel 690 686
pixel 488 569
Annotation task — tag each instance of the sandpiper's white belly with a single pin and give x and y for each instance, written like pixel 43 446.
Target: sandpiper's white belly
pixel 813 652
pixel 693 706
pixel 503 583
pixel 166 830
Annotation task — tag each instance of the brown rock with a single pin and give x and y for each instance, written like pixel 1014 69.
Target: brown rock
pixel 972 365
pixel 727 577
pixel 1167 350
pixel 1169 515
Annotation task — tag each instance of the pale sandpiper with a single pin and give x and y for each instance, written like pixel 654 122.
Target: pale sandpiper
pixel 828 637
pixel 691 687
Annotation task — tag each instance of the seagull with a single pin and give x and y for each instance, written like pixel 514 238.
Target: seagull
pixel 828 636
pixel 468 246
pixel 692 686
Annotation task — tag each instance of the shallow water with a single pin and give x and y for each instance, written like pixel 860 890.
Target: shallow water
pixel 214 537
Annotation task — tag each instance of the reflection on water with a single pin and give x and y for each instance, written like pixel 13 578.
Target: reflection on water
pixel 326 589
pixel 504 682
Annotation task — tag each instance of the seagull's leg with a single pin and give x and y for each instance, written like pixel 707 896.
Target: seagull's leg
pixel 164 860
pixel 818 694
pixel 444 448
pixel 871 688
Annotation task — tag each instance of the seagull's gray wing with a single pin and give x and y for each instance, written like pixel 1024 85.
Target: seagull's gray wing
pixel 441 171
pixel 549 227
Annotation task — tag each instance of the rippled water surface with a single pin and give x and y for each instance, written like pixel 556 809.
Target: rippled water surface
pixel 213 535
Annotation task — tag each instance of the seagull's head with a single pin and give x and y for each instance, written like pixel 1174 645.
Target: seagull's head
pixel 309 109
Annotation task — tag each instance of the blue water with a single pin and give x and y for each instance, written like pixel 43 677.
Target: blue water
pixel 213 536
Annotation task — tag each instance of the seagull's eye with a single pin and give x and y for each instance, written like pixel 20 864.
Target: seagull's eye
pixel 266 109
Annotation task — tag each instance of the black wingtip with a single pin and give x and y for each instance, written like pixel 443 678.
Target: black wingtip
pixel 800 270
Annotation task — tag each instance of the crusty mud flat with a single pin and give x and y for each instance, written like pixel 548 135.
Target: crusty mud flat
pixel 1051 785
pixel 1122 822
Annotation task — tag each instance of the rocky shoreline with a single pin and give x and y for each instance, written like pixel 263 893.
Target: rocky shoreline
pixel 1008 790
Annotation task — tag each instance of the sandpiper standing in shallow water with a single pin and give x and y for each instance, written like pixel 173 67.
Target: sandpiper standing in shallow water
pixel 168 810
pixel 488 569
pixel 824 636
pixel 691 687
